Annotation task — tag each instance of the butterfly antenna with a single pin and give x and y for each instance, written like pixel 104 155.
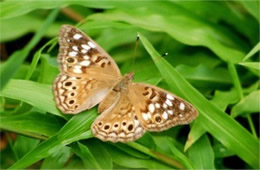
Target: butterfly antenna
pixel 153 61
pixel 165 54
pixel 136 44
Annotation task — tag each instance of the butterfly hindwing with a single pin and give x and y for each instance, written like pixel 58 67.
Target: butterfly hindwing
pixel 76 94
pixel 119 122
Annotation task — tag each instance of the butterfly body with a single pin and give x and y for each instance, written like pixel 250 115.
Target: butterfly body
pixel 124 82
pixel 89 76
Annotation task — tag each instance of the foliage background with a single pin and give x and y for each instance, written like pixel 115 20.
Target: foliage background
pixel 213 62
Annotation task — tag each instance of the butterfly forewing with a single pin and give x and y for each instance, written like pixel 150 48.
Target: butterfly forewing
pixel 158 109
pixel 87 72
pixel 80 55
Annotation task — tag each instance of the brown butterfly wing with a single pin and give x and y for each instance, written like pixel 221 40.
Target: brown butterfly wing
pixel 159 109
pixel 87 72
pixel 119 121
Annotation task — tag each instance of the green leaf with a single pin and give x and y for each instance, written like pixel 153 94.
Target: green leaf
pixel 130 151
pixel 202 73
pixel 9 68
pixel 87 157
pixel 217 12
pixel 23 144
pixel 123 159
pixel 221 151
pixel 27 24
pixel 249 104
pixel 36 58
pixel 217 123
pixel 57 160
pixel 97 147
pixel 252 7
pixel 183 158
pixel 32 124
pixel 253 65
pixel 201 154
pixel 49 71
pixel 76 126
pixel 195 133
pixel 224 98
pixel 180 24
pixel 253 51
pixel 27 91
pixel 236 81
pixel 13 8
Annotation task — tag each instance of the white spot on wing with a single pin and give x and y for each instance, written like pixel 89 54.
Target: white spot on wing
pixel 165 115
pixel 139 129
pixel 168 102
pixel 182 106
pixel 85 63
pixel 157 105
pixel 77 70
pixel 165 105
pixel 122 134
pixel 170 97
pixel 73 53
pixel 136 122
pixel 145 116
pixel 61 91
pixel 151 108
pixel 86 57
pixel 170 112
pixel 149 115
pixel 113 135
pixel 85 46
pixel 75 48
pixel 84 51
pixel 77 36
pixel 77 67
pixel 63 78
pixel 91 44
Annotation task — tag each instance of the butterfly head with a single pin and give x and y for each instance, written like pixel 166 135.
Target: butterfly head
pixel 129 76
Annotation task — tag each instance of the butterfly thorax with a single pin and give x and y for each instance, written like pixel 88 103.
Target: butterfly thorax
pixel 123 82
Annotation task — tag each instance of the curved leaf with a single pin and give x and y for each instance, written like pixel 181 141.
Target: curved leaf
pixel 249 104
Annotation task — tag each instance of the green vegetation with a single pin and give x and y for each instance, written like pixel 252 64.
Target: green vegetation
pixel 212 62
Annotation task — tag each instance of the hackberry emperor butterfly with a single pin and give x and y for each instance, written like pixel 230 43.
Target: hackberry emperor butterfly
pixel 89 76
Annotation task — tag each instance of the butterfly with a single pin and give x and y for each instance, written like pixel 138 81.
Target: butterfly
pixel 89 76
